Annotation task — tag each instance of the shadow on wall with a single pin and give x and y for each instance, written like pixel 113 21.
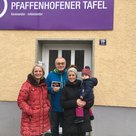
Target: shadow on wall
pixel 10 116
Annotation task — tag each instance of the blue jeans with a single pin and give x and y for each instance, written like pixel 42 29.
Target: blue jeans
pixel 56 121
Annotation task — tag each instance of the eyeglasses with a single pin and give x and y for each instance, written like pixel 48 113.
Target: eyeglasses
pixel 60 63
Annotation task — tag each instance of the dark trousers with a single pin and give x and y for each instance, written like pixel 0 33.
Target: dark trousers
pixel 56 121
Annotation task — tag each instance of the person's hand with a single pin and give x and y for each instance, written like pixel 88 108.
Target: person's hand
pixel 81 103
pixel 81 97
pixel 56 89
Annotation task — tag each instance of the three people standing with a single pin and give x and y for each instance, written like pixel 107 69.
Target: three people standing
pixel 64 89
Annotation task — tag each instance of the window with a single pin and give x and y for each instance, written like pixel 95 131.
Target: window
pixel 53 54
pixel 79 59
pixel 67 55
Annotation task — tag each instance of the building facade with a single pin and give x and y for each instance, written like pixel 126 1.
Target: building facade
pixel 114 64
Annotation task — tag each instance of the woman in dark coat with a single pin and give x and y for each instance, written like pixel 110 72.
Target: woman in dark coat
pixel 70 100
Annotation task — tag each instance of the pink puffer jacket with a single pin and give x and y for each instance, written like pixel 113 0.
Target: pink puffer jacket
pixel 35 106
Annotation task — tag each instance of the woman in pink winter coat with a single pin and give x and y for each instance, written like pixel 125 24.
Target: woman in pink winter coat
pixel 34 103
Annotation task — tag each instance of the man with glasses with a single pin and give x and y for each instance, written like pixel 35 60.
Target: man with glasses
pixel 55 81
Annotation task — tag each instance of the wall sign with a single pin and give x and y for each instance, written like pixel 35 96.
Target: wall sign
pixel 102 42
pixel 56 14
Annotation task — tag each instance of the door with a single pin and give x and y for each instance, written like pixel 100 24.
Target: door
pixel 79 54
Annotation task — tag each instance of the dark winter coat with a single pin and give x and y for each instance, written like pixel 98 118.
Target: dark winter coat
pixel 33 102
pixel 87 88
pixel 70 94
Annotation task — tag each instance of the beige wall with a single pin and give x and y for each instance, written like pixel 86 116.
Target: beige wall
pixel 114 64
